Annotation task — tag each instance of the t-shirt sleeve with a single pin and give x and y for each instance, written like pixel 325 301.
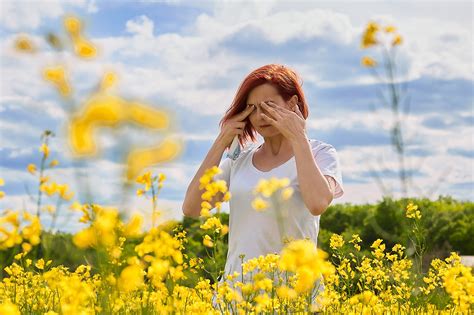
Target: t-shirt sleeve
pixel 225 165
pixel 327 160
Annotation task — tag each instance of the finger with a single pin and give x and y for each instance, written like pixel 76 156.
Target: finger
pixel 297 110
pixel 240 124
pixel 243 114
pixel 271 110
pixel 278 108
pixel 267 118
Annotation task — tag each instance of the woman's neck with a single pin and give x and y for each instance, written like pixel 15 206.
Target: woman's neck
pixel 276 145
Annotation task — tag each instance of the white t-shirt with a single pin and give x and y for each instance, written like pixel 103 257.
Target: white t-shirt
pixel 255 233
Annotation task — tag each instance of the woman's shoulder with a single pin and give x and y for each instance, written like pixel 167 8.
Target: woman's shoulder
pixel 318 145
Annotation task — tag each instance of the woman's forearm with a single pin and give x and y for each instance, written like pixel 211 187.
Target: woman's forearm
pixel 192 201
pixel 315 190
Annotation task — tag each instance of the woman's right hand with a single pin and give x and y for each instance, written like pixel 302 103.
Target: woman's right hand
pixel 234 126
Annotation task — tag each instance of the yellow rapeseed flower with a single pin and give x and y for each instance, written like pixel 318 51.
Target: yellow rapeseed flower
pixel 412 211
pixel 287 193
pixel 31 168
pixel 108 80
pixel 57 76
pixel 53 163
pixel 207 241
pixel 8 308
pixel 369 36
pixel 84 48
pixel 268 187
pixel 133 227
pixel 368 62
pixel 73 25
pixel 40 264
pixel 131 278
pixel 44 149
pixel 259 204
pixel 336 241
pixel 85 238
pixel 148 116
pixel 24 44
pixel 389 29
pixel 397 40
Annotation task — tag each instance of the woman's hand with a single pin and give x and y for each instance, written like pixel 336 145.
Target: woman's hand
pixel 234 126
pixel 290 123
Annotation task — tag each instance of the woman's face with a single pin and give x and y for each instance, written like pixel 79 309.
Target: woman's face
pixel 263 93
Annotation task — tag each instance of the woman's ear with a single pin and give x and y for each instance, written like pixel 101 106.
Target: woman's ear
pixel 293 101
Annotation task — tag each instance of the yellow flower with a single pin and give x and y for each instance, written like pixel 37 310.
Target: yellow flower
pixel 389 29
pixel 224 229
pixel 19 256
pixel 286 293
pixel 32 232
pixel 57 76
pixel 133 227
pixel 63 191
pixel 24 44
pixel 45 149
pixel 108 80
pixel 73 25
pixel 31 168
pixel 53 163
pixel 303 257
pixel 26 247
pixel 212 223
pixel 131 278
pixel 2 194
pixel 369 36
pixel 161 177
pixel 336 241
pixel 207 241
pixel 368 62
pixel 205 212
pixel 287 193
pixel 2 182
pixel 268 187
pixel 145 179
pixel 227 196
pixel 49 208
pixel 40 264
pixel 84 49
pixel 259 204
pixel 412 211
pixel 397 40
pixel 8 308
pixel 147 116
pixel 85 238
pixel 50 189
pixel 356 239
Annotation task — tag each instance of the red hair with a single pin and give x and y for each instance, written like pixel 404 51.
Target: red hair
pixel 283 78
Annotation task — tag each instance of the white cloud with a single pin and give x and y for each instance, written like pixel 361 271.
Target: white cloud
pixel 141 26
pixel 28 15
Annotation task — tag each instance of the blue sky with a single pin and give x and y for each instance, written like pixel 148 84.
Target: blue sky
pixel 190 57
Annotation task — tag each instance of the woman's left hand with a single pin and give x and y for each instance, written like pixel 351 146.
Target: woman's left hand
pixel 290 123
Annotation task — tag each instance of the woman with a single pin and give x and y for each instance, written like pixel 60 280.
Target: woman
pixel 269 101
